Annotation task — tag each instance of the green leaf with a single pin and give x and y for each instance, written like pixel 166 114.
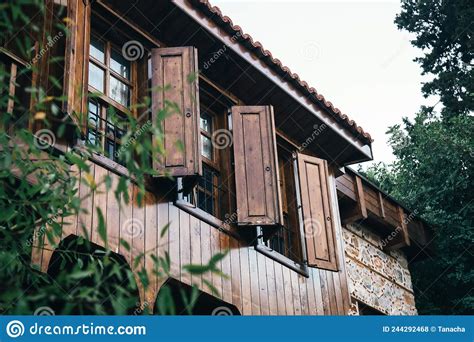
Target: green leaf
pixel 101 228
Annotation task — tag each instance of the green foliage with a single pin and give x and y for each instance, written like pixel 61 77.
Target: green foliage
pixel 444 32
pixel 434 168
pixel 39 196
pixel 434 174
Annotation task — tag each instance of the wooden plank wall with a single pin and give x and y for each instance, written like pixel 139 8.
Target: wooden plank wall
pixel 257 285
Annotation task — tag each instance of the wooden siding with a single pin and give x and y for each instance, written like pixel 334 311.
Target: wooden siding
pixel 256 284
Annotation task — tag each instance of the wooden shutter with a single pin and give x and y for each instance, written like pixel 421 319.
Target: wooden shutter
pixel 316 212
pixel 174 80
pixel 76 77
pixel 256 167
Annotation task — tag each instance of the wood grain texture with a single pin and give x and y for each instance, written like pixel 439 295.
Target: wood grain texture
pixel 256 167
pixel 318 220
pixel 175 83
pixel 255 284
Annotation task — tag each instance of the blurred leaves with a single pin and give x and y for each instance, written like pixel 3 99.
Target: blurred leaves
pixel 43 191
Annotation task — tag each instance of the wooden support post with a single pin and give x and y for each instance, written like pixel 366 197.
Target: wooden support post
pixel 360 197
pixel 400 238
pixel 382 209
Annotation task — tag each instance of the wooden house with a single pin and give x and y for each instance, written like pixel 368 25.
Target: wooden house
pixel 262 171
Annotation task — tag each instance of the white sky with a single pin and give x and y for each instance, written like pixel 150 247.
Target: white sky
pixel 350 51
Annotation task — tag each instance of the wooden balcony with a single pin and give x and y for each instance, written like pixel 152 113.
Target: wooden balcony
pixel 360 201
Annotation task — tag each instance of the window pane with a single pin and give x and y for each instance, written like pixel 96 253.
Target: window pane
pixel 97 49
pixel 94 109
pixel 96 77
pixel 206 147
pixel 119 64
pixel 92 138
pixel 109 148
pixel 115 124
pixel 206 122
pixel 119 91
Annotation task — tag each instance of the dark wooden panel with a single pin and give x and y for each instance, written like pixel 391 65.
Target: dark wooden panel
pixel 256 168
pixel 174 81
pixel 184 245
pixel 236 277
pixel 76 60
pixel 195 231
pixel 272 287
pixel 318 219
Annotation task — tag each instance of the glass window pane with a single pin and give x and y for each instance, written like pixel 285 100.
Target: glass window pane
pixel 110 148
pixel 119 64
pixel 206 147
pixel 119 92
pixel 97 49
pixel 96 77
pixel 94 108
pixel 206 122
pixel 93 138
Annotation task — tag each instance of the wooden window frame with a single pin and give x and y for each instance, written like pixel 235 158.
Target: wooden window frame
pixel 213 164
pixel 108 73
pixel 14 63
pixel 300 266
pixel 105 102
pixel 218 164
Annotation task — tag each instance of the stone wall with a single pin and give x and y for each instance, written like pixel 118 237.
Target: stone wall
pixel 377 278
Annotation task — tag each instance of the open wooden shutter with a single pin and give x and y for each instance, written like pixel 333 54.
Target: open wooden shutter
pixel 316 212
pixel 77 58
pixel 256 167
pixel 174 80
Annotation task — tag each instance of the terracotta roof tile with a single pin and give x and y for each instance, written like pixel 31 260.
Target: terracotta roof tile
pixel 214 13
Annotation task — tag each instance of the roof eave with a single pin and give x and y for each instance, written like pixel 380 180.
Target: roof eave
pixel 309 101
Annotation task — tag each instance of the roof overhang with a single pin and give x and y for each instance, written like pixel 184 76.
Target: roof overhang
pixel 311 103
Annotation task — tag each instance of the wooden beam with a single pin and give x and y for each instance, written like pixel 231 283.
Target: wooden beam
pixel 145 35
pixel 403 224
pixel 400 238
pixel 360 197
pixel 382 209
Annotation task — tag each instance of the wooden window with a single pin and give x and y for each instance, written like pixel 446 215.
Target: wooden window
pixel 111 83
pixel 256 167
pixel 175 90
pixel 211 191
pixel 287 238
pixel 316 212
pixel 16 79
